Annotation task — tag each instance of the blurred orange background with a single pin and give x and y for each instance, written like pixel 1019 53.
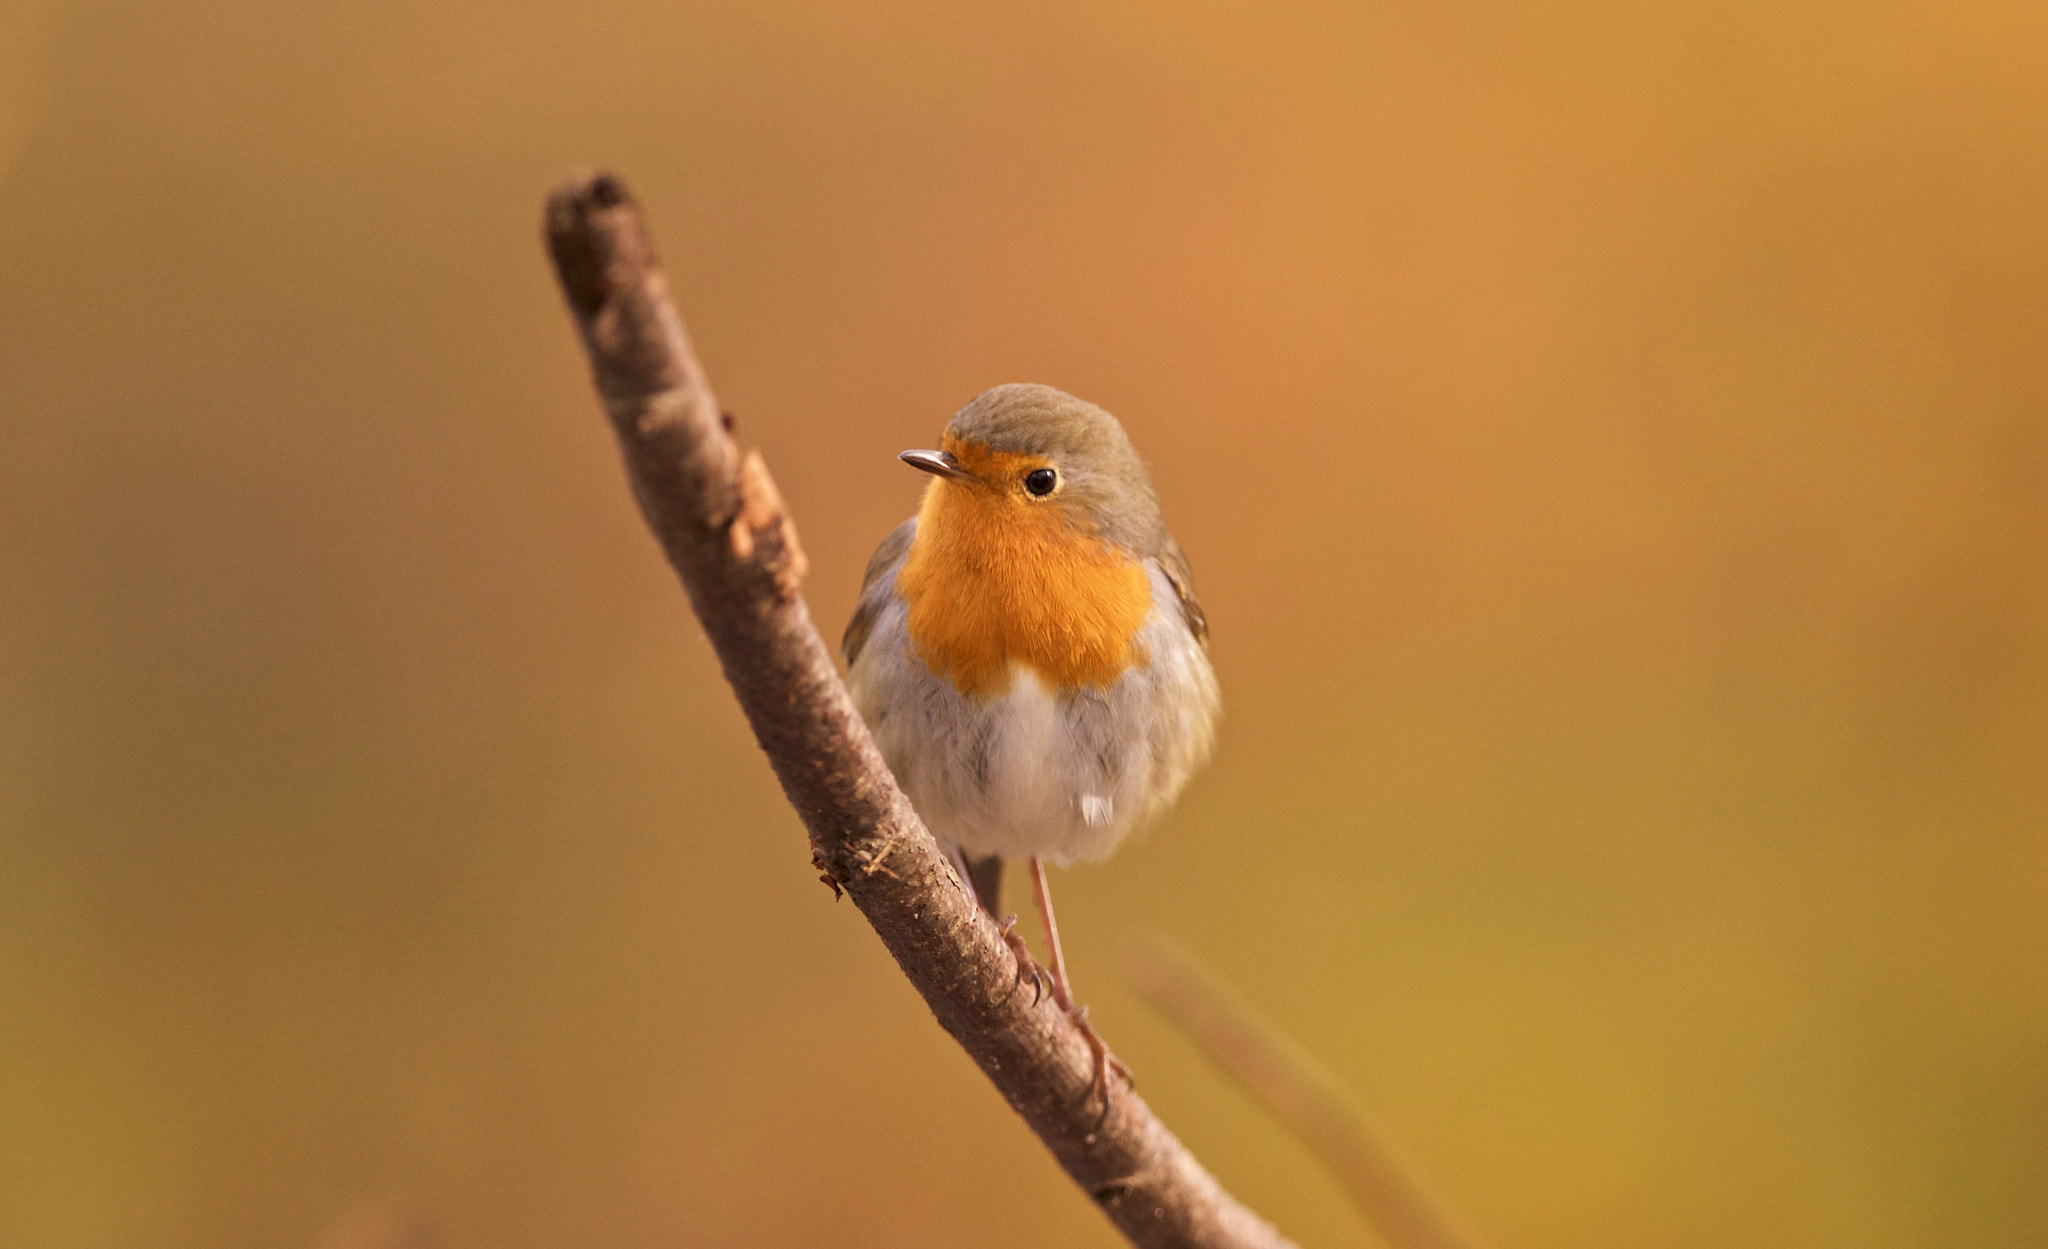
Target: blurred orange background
pixel 1611 445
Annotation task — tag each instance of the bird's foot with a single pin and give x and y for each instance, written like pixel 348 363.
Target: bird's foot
pixel 1105 1062
pixel 1027 966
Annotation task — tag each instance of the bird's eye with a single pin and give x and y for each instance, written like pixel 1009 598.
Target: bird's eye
pixel 1040 481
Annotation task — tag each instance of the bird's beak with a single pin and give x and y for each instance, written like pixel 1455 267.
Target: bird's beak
pixel 937 463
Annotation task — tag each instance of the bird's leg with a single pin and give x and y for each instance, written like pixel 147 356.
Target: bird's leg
pixel 959 861
pixel 1027 966
pixel 1105 1062
pixel 986 875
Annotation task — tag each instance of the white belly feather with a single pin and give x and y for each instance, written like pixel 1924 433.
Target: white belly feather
pixel 1032 772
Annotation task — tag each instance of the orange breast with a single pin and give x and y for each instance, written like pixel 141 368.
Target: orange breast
pixel 993 580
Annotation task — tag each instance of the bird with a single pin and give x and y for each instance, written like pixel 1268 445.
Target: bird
pixel 1029 655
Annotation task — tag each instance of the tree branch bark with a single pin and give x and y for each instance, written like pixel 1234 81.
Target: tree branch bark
pixel 719 518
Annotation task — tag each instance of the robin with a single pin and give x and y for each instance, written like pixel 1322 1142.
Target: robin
pixel 1029 654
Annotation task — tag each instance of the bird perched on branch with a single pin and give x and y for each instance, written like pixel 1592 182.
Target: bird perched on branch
pixel 1029 654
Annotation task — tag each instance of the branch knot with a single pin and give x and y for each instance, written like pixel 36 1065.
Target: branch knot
pixel 762 516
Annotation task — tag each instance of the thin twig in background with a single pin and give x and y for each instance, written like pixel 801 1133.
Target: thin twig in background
pixel 717 515
pixel 1304 1096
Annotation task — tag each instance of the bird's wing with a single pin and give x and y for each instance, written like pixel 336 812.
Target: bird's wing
pixel 876 587
pixel 1175 565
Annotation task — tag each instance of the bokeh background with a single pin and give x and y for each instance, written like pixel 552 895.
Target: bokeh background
pixel 1609 437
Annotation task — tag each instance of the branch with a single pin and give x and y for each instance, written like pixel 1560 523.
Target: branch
pixel 717 515
pixel 1301 1093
